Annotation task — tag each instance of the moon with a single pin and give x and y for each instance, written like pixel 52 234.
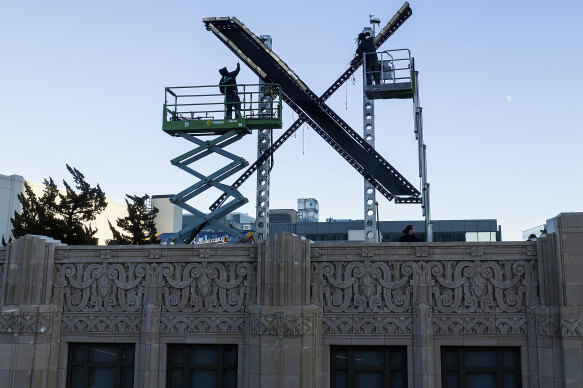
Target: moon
pixel 508 99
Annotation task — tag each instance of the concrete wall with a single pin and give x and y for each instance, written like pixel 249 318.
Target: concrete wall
pixel 286 300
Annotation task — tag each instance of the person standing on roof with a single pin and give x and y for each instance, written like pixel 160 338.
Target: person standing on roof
pixel 228 87
pixel 366 46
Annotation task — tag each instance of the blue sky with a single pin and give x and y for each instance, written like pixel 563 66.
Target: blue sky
pixel 501 86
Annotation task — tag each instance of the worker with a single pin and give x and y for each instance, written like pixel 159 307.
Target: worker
pixel 366 46
pixel 409 234
pixel 228 87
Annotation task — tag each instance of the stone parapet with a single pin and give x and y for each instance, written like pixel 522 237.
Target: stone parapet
pixel 286 300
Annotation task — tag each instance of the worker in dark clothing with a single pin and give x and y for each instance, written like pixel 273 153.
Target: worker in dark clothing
pixel 228 87
pixel 366 46
pixel 409 234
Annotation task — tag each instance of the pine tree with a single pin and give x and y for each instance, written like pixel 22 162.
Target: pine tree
pixel 139 223
pixel 38 215
pixel 62 217
pixel 77 208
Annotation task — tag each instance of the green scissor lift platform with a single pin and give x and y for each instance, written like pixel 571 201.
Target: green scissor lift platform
pixel 192 112
pixel 200 110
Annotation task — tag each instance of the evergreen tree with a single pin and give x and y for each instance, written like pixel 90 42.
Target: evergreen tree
pixel 139 223
pixel 59 216
pixel 38 215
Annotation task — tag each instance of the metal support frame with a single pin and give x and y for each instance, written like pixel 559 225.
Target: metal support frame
pixel 422 150
pixel 205 148
pixel 371 231
pixel 264 140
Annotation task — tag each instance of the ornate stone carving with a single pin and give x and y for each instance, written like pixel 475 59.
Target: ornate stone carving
pixel 367 251
pixel 482 286
pixel 420 251
pixel 206 287
pixel 102 323
pixel 479 325
pixel 102 287
pixel 282 325
pixel 105 254
pixel 181 286
pixel 62 254
pixel 548 325
pixel 17 323
pixel 155 253
pixel 368 324
pixel 528 250
pixel 477 251
pixel 341 287
pixel 572 327
pixel 316 253
pixel 453 286
pixel 205 253
pixel 232 324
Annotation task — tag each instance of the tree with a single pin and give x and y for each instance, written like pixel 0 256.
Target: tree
pixel 139 223
pixel 63 217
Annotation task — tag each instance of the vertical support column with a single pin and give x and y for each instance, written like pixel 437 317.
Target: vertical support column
pixel 422 149
pixel 150 373
pixel 29 324
pixel 283 342
pixel 263 178
pixel 371 233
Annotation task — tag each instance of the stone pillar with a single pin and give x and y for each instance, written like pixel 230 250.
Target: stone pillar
pixel 283 344
pixel 567 229
pixel 149 373
pixel 29 323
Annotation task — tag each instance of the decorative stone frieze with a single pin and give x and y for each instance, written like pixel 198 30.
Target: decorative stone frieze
pixel 479 324
pixel 196 324
pixel 102 323
pixel 368 324
pixel 24 323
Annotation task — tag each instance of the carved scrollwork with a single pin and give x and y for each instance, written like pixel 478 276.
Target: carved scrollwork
pixel 102 287
pixel 420 252
pixel 448 285
pixel 211 287
pixel 155 253
pixel 477 251
pixel 482 286
pixel 362 286
pixel 528 250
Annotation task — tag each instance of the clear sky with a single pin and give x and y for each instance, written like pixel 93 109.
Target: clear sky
pixel 500 81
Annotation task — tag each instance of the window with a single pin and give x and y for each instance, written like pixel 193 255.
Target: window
pixel 100 365
pixel 481 367
pixel 368 367
pixel 194 366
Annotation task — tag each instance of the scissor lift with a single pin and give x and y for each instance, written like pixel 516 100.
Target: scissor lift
pixel 192 112
pixel 400 80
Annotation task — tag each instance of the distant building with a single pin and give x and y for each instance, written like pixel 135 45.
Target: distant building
pixel 308 210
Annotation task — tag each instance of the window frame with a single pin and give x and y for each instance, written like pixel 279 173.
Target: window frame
pixel 351 368
pixel 86 365
pixel 499 369
pixel 187 367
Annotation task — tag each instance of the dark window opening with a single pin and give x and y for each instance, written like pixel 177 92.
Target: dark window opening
pixel 480 367
pixel 100 365
pixel 368 367
pixel 194 366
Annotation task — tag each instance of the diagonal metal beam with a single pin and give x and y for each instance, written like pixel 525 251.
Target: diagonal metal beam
pixel 398 19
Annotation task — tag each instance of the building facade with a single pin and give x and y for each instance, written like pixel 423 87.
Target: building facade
pixel 287 312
